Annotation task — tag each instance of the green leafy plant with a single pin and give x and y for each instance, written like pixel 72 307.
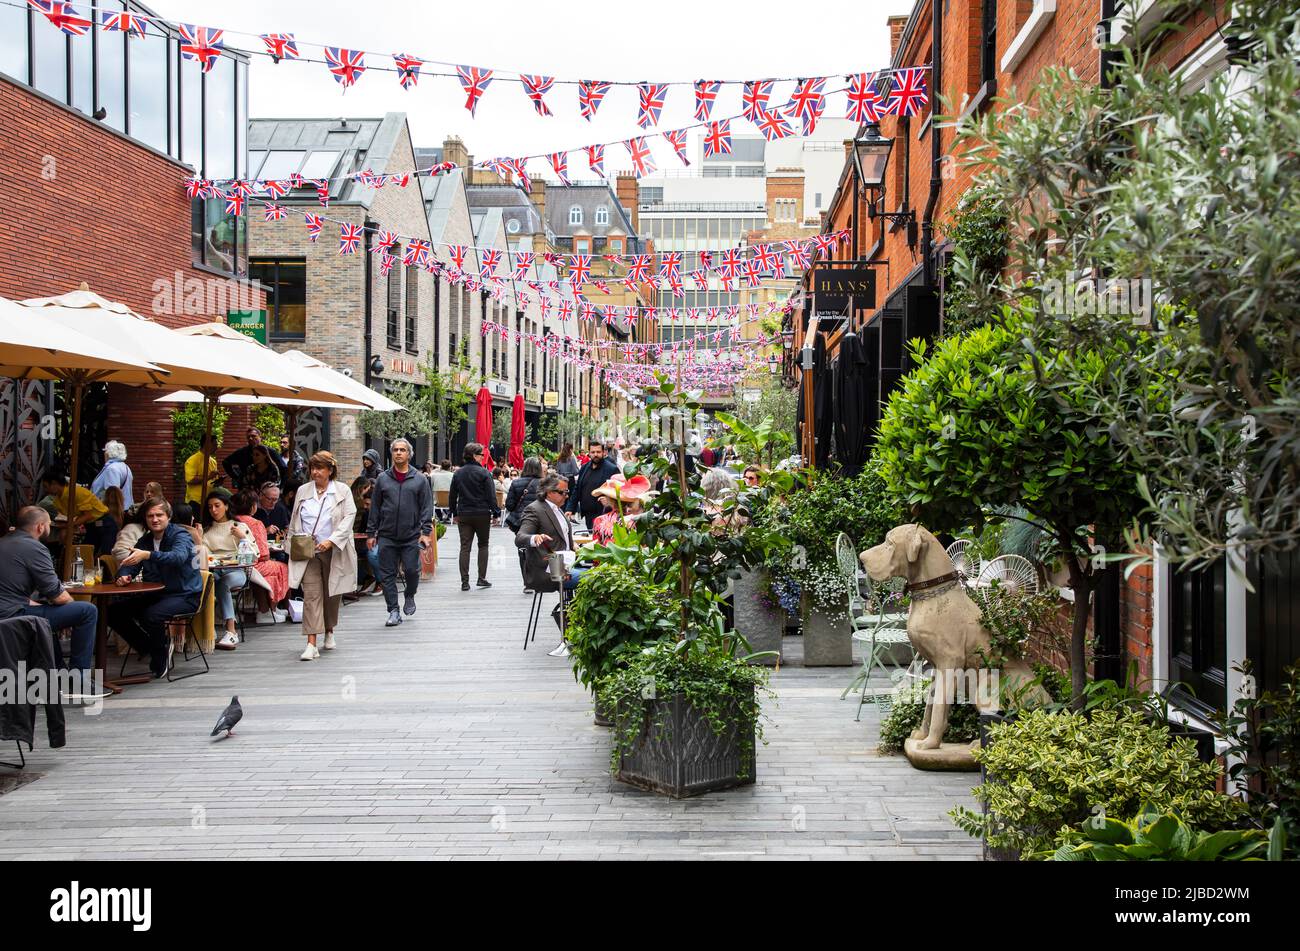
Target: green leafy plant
pixel 270 422
pixel 1011 617
pixel 187 430
pixel 1047 772
pixel 613 614
pixel 978 230
pixel 908 710
pixel 758 442
pixel 438 405
pixel 1153 836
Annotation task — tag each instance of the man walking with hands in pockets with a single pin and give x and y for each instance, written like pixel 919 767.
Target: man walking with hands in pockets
pixel 400 524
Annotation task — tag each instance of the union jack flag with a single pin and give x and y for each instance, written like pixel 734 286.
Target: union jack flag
pixel 517 166
pixel 535 87
pixel 638 272
pixel 197 187
pixel 132 24
pixel 281 45
pixel 600 286
pixel 345 65
pixel 767 258
pixel 417 252
pixel 551 258
pixel 323 191
pixel 728 265
pixel 670 266
pixel 401 180
pixel 235 203
pixel 652 103
pixel 753 273
pixel 706 259
pixel 706 93
pixel 808 102
pixel 349 239
pixel 488 261
pixel 579 268
pixel 700 277
pixel 386 262
pixel 773 126
pixel 613 258
pixel 475 82
pixel 408 69
pixel 566 310
pixel 906 97
pixel 273 212
pixel 590 94
pixel 560 163
pixel 798 253
pixel 295 180
pixel 642 160
pixel 778 269
pixel 717 141
pixel 367 179
pixel 457 254
pixel 755 97
pixel 677 139
pixel 64 16
pixel 385 241
pixel 587 311
pixel 523 261
pixel 596 158
pixel 201 44
pixel 313 225
pixel 276 189
pixel 863 103
pixel 824 242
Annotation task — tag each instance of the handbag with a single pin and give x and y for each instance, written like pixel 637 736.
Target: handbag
pixel 303 547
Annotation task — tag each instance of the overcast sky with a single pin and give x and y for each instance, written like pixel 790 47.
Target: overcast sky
pixel 668 40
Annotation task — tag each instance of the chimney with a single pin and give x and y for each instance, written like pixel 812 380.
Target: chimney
pixel 629 196
pixel 538 196
pixel 896 26
pixel 453 150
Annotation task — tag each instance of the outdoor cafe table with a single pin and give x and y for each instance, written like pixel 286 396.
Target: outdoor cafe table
pixel 100 595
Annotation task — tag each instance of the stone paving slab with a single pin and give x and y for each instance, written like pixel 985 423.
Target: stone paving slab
pixel 442 738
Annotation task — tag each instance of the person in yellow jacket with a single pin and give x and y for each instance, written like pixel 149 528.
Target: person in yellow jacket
pixel 196 489
pixel 88 510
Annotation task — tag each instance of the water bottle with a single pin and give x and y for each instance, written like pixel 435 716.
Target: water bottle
pixel 78 568
pixel 247 552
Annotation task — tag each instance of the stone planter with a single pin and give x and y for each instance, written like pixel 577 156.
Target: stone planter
pixel 676 752
pixel 761 625
pixel 827 637
pixel 987 720
pixel 604 715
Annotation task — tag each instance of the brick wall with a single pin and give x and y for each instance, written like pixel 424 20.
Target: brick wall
pixel 82 203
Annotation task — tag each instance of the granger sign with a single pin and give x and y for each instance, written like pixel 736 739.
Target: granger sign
pixel 835 288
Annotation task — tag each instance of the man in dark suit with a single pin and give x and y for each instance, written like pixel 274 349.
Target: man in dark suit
pixel 545 528
pixel 597 470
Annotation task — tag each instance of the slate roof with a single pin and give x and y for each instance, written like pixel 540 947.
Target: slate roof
pixel 514 205
pixel 589 196
pixel 324 148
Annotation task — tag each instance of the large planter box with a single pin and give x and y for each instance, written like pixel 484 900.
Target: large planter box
pixel 827 637
pixel 990 854
pixel 758 623
pixel 677 753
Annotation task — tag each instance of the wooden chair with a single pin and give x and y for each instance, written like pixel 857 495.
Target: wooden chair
pixel 441 500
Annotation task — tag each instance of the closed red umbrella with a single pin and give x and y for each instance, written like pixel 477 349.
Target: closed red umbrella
pixel 483 428
pixel 517 433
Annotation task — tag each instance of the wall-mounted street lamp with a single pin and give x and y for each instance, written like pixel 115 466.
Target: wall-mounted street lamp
pixel 871 158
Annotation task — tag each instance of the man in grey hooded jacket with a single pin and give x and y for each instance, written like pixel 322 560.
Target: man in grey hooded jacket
pixel 400 524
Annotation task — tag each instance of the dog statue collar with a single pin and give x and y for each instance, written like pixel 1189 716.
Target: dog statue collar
pixel 912 587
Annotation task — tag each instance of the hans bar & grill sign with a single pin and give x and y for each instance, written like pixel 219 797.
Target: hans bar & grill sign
pixel 835 287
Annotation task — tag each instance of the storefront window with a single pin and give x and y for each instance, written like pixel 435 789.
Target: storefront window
pixel 286 300
pixel 110 69
pixel 50 62
pixel 219 120
pixel 13 42
pixel 148 90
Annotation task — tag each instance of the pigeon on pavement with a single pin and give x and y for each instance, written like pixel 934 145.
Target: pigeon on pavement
pixel 229 717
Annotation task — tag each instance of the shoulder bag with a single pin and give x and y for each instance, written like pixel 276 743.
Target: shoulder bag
pixel 302 547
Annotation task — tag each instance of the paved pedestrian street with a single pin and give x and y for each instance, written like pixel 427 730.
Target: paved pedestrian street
pixel 443 739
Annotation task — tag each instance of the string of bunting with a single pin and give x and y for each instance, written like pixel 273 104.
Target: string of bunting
pixel 886 91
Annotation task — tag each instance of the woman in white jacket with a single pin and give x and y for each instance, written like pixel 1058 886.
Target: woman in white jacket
pixel 323 509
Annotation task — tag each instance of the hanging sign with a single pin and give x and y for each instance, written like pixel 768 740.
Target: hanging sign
pixel 837 287
pixel 250 323
pixel 551 399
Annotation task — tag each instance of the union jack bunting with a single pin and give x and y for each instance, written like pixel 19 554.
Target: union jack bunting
pixel 276 189
pixel 441 168
pixel 313 225
pixel 367 179
pixel 546 308
pixel 345 65
pixel 401 180
pixel 700 277
pixel 729 264
pixel 273 212
pixel 808 102
pixel 565 310
pixel 243 187
pixel 753 275
pixel 579 268
pixel 475 82
pixel 560 164
pixel 408 69
pixel 235 203
pixel 767 258
pixel 417 252
pixel 652 103
pixel 670 266
pixel 590 94
pixel 643 162
pixel 863 103
pixel 551 258
pixel 349 239
pixel 385 241
pixel 754 98
pixel 824 242
pixel 281 45
pixel 517 166
pixel 64 16
pixel 706 260
pixel 323 191
pixel 906 96
pixel 535 87
pixel 778 269
pixel 773 126
pixel 600 286
pixel 613 258
pixel 386 262
pixel 523 261
pixel 488 262
pixel 692 314
pixel 587 311
pixel 717 141
pixel 295 180
pixel 501 166
pixel 132 24
pixel 596 158
pixel 457 254
pixel 639 270
pixel 200 44
pixel 706 93
pixel 197 187
pixel 677 139
pixel 798 255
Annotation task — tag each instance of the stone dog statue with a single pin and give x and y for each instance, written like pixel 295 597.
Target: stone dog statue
pixel 943 623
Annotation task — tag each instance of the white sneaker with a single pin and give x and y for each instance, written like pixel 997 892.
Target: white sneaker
pixel 265 617
pixel 311 653
pixel 561 651
pixel 329 641
pixel 229 642
pixel 278 616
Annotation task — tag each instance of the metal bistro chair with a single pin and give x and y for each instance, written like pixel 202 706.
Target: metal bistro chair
pixel 1014 573
pixel 878 632
pixel 185 621
pixel 965 560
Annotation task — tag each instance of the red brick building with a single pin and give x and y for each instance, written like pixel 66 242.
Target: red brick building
pixel 102 201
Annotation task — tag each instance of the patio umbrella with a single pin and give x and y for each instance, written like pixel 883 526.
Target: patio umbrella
pixel 517 433
pixel 483 424
pixel 34 349
pixel 823 403
pixel 853 413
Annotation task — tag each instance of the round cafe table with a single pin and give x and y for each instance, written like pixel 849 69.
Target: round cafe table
pixel 100 595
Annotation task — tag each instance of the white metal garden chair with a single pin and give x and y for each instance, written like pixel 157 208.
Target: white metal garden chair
pixel 1014 573
pixel 965 559
pixel 879 630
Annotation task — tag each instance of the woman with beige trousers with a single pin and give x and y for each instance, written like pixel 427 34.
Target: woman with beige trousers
pixel 323 509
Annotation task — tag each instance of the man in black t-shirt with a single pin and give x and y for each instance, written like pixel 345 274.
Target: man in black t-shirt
pixel 272 513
